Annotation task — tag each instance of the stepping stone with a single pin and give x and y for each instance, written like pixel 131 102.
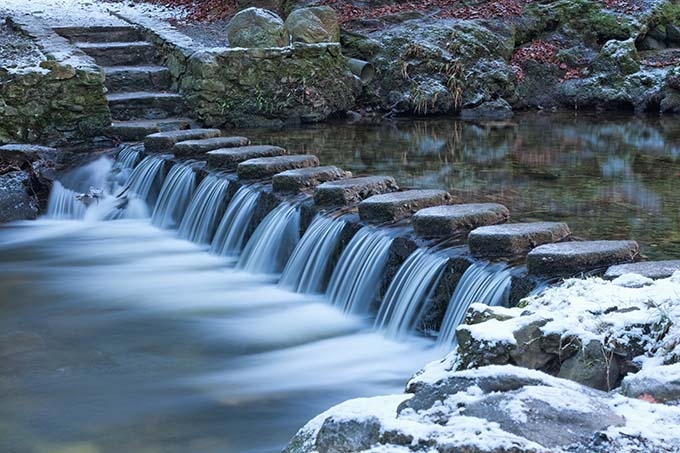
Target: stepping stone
pixel 266 167
pixel 514 239
pixel 164 141
pixel 391 207
pixel 18 153
pixel 570 258
pixel 143 105
pixel 132 131
pixel 229 158
pixel 650 269
pixel 350 191
pixel 137 78
pixel 441 221
pixel 119 53
pixel 193 147
pixel 114 33
pixel 303 178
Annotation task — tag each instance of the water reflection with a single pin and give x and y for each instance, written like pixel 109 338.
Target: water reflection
pixel 609 179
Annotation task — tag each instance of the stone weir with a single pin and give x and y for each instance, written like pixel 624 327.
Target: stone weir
pixel 372 207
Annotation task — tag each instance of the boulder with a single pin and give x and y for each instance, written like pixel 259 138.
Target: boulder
pixel 313 25
pixel 266 167
pixel 650 269
pixel 391 207
pixel 350 191
pixel 15 202
pixel 303 178
pixel 256 27
pixel 660 383
pixel 618 56
pixel 514 239
pixel 571 258
pixel 594 366
pixel 448 220
pixel 18 154
pixel 229 158
pixel 496 110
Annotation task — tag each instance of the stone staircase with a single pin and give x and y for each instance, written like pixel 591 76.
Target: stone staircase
pixel 140 93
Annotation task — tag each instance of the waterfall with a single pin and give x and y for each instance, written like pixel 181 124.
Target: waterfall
pixel 200 218
pixel 407 295
pixel 146 179
pixel 231 232
pixel 62 203
pixel 481 282
pixel 174 197
pixel 273 241
pixel 128 157
pixel 356 279
pixel 310 264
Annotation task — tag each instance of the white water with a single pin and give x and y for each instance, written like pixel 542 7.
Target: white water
pixel 357 276
pixel 481 282
pixel 175 196
pixel 201 217
pixel 230 236
pixel 311 262
pixel 273 241
pixel 408 294
pixel 146 180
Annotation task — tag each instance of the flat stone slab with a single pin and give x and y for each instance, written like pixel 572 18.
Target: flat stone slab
pixel 229 158
pixel 439 221
pixel 266 167
pixel 350 191
pixel 165 141
pixel 390 207
pixel 137 130
pixel 571 258
pixel 192 147
pixel 303 178
pixel 514 239
pixel 650 269
pixel 19 152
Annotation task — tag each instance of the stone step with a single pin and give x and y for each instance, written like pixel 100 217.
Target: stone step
pixel 514 239
pixel 266 167
pixel 137 78
pixel 200 146
pixel 571 258
pixel 119 53
pixel 132 131
pixel 229 158
pixel 350 191
pixel 111 33
pixel 650 269
pixel 449 220
pixel 391 207
pixel 162 142
pixel 303 178
pixel 140 105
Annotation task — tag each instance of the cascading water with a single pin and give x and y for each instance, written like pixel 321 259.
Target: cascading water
pixel 356 279
pixel 128 157
pixel 408 294
pixel 201 217
pixel 146 180
pixel 273 241
pixel 309 266
pixel 175 196
pixel 231 232
pixel 481 282
pixel 63 204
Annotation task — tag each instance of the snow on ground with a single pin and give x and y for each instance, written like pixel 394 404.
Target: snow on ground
pixel 63 13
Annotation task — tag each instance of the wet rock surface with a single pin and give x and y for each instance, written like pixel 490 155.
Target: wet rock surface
pixel 398 205
pixel 353 190
pixel 266 167
pixel 303 178
pixel 163 142
pixel 514 239
pixel 571 258
pixel 450 220
pixel 194 147
pixel 229 158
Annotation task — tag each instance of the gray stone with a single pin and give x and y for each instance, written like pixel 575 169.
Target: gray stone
pixel 111 33
pixel 229 158
pixel 119 53
pixel 314 25
pixel 132 131
pixel 449 220
pixel 649 43
pixel 266 167
pixel 570 258
pixel 592 366
pixel 256 27
pixel 15 202
pixel 514 239
pixel 140 105
pixel 496 110
pixel 663 385
pixel 303 178
pixel 673 33
pixel 528 352
pixel 650 269
pixel 17 153
pixel 399 205
pixel 137 78
pixel 165 141
pixel 203 145
pixel 353 190
pixel 336 436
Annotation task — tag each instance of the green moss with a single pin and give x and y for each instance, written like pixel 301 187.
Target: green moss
pixel 665 13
